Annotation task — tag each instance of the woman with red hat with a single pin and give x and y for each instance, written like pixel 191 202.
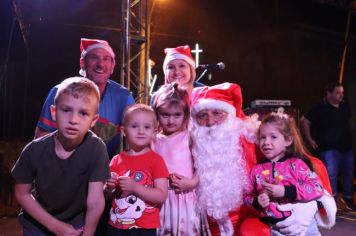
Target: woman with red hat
pixel 179 67
pixel 179 214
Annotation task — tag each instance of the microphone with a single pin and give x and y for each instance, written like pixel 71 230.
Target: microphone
pixel 219 66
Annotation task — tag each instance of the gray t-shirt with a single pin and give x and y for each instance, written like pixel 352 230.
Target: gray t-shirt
pixel 61 185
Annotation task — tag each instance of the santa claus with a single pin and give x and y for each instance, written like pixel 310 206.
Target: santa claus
pixel 224 153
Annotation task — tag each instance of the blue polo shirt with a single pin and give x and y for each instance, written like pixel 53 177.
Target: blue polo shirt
pixel 113 102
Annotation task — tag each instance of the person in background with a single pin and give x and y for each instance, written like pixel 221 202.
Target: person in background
pixel 286 175
pixel 179 67
pixel 97 62
pixel 224 153
pixel 327 130
pixel 179 214
pixel 60 177
pixel 139 177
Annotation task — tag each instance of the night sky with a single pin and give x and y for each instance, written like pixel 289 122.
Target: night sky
pixel 275 49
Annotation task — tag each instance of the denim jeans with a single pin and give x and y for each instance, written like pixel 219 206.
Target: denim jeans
pixel 336 162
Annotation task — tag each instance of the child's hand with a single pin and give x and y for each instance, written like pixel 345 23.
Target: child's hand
pixel 273 190
pixel 66 229
pixel 180 183
pixel 112 182
pixel 127 185
pixel 263 199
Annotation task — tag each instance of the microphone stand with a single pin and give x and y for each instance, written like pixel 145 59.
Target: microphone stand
pixel 202 75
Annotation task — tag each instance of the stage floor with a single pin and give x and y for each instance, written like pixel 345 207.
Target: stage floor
pixel 11 227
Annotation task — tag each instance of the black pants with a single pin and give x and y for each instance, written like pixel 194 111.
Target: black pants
pixel 111 231
pixel 102 227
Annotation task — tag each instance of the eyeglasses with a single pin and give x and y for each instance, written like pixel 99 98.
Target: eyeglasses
pixel 211 116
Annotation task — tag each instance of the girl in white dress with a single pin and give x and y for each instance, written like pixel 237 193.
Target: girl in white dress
pixel 179 214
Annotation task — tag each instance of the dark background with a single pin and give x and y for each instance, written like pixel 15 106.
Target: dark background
pixel 275 49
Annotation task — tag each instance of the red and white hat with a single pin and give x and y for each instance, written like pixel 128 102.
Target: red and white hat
pixel 86 45
pixel 181 52
pixel 225 96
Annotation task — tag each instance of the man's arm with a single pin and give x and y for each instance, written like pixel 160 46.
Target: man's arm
pixel 95 207
pixel 327 206
pixel 45 123
pixel 33 208
pixel 305 123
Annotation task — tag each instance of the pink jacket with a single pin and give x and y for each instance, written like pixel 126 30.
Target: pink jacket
pixel 301 185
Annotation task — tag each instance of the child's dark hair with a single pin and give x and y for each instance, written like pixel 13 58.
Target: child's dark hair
pixel 138 107
pixel 172 95
pixel 287 126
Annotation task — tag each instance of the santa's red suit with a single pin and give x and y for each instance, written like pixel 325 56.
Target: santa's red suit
pixel 224 155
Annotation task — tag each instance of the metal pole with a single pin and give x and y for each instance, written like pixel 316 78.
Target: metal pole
pixel 128 43
pixel 347 31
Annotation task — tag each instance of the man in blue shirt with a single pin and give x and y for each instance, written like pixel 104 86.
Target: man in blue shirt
pixel 97 63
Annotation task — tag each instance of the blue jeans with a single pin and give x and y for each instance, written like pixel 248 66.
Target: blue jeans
pixel 336 162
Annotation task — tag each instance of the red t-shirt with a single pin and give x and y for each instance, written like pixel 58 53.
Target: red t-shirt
pixel 131 211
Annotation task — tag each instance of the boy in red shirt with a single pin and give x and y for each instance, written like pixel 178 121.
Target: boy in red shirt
pixel 139 177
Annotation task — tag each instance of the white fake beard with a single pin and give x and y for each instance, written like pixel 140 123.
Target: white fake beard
pixel 220 165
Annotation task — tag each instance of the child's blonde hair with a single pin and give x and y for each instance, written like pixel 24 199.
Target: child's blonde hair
pixel 141 108
pixel 288 128
pixel 172 95
pixel 77 87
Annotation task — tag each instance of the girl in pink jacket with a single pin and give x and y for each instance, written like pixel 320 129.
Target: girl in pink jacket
pixel 286 176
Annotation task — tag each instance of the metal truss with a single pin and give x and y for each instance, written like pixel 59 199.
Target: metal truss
pixel 134 59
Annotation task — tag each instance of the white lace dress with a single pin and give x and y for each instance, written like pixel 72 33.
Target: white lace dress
pixel 179 214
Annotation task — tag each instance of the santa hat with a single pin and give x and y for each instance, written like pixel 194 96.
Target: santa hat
pixel 86 45
pixel 181 52
pixel 225 96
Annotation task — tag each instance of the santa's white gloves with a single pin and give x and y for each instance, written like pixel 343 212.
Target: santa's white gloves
pixel 300 219
pixel 326 217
